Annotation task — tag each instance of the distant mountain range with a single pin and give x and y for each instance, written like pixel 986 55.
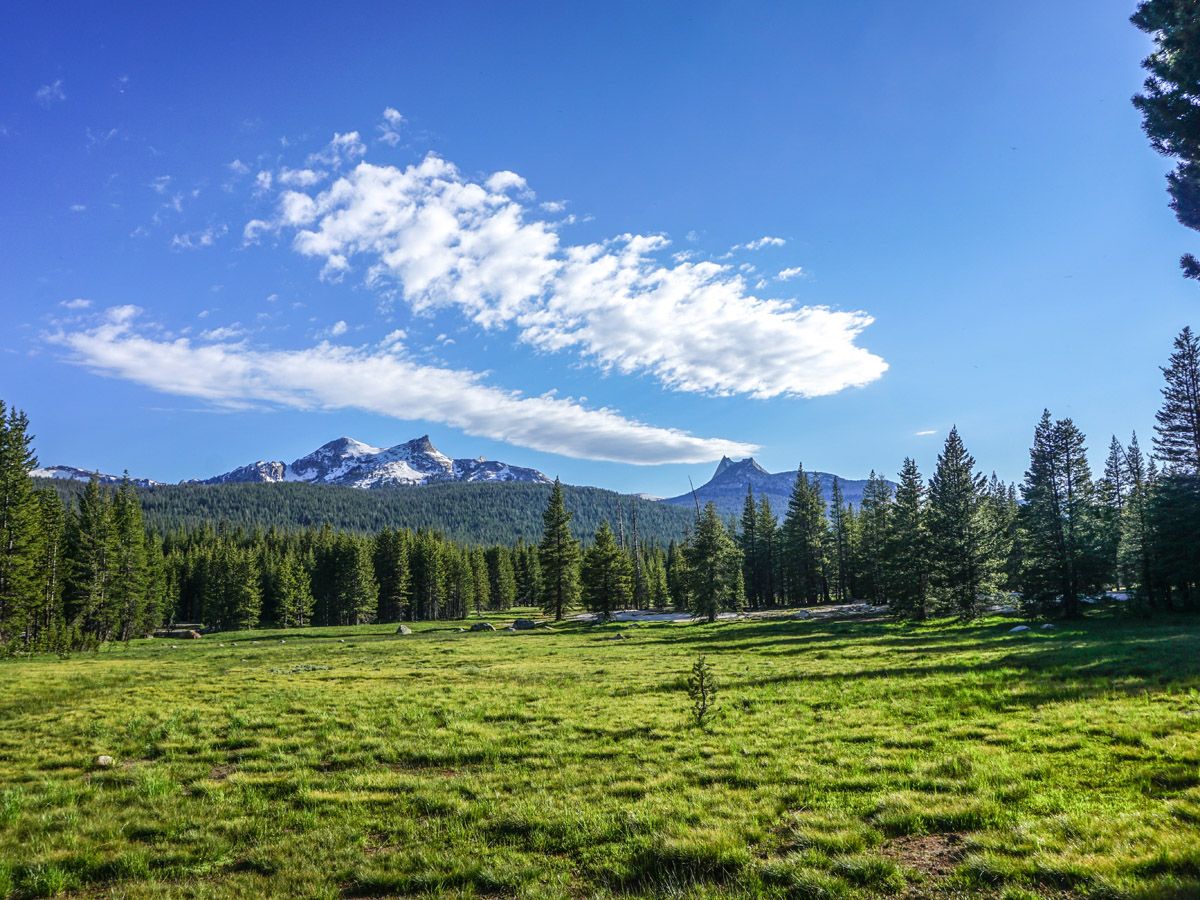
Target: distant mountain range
pixel 727 488
pixel 352 463
pixel 70 473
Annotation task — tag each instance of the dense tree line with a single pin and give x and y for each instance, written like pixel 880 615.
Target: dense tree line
pixel 472 513
pixel 88 570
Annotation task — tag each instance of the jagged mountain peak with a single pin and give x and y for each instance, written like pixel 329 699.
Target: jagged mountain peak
pixel 350 462
pixel 738 468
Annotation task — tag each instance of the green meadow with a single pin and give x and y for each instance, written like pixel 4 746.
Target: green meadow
pixel 847 758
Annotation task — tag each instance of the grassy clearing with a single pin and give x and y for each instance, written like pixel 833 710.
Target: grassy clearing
pixel 847 759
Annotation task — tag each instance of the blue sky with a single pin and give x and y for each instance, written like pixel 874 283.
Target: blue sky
pixel 536 232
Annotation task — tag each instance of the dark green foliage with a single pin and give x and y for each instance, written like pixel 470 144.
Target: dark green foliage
pixel 802 543
pixel 1062 524
pixel 964 558
pixel 1177 432
pixel 470 513
pixel 907 547
pixel 1170 103
pixel 607 576
pixel 19 534
pixel 871 539
pixel 714 566
pixel 558 554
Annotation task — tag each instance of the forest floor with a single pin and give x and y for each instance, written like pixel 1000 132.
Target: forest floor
pixel 858 757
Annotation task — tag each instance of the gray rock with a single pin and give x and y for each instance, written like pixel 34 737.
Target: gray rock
pixel 1018 628
pixel 524 624
pixel 483 626
pixel 403 629
pixel 104 762
pixel 617 637
pixel 1049 627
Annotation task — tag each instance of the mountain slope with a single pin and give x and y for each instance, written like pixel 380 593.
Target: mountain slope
pixel 70 473
pixel 473 512
pixel 352 463
pixel 727 488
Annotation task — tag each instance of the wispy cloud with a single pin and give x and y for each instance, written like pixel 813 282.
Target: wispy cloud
pixel 765 241
pixel 49 94
pixel 389 128
pixel 926 432
pixel 196 240
pixel 380 379
pixel 696 326
pixel 789 274
pixel 77 303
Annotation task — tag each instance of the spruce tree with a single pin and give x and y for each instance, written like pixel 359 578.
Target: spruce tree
pixel 18 525
pixel 392 575
pixel 481 583
pixel 607 576
pixel 714 567
pixel 840 531
pixel 91 552
pixel 1136 551
pixel 1061 524
pixel 748 540
pixel 1177 434
pixel 1113 490
pixel 558 554
pixel 872 536
pixel 130 588
pixel 907 548
pixel 295 593
pixel 502 578
pixel 47 615
pixel 963 555
pixel 767 570
pixel 802 541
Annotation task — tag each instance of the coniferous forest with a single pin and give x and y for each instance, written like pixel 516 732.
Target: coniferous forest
pixel 81 567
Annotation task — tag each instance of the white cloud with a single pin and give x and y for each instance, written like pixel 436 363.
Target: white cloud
pixel 262 182
pixel 49 94
pixel 789 274
pixel 78 208
pixel 77 303
pixel 554 206
pixel 342 149
pixel 299 177
pixel 927 432
pixel 757 244
pixel 195 240
pixel 339 328
pixel 237 167
pixel 161 183
pixel 502 182
pixel 694 325
pixel 382 380
pixel 223 333
pixel 389 128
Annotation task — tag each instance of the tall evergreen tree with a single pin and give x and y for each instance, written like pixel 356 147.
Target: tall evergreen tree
pixel 607 576
pixel 295 607
pixel 91 551
pixel 748 541
pixel 502 578
pixel 766 572
pixel 714 567
pixel 558 554
pixel 1113 490
pixel 18 524
pixel 392 575
pixel 963 554
pixel 130 583
pixel 1062 529
pixel 841 526
pixel 907 547
pixel 1170 103
pixel 872 536
pixel 1177 434
pixel 802 541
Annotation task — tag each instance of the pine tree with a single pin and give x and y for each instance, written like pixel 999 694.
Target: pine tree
pixel 766 575
pixel 656 578
pixel 714 567
pixel 1113 492
pixel 356 593
pixel 607 576
pixel 1062 530
pixel 1177 438
pixel 295 593
pixel 907 548
pixel 481 584
pixel 47 615
pixel 91 551
pixel 963 556
pixel 502 578
pixel 677 577
pixel 18 525
pixel 802 541
pixel 130 588
pixel 392 575
pixel 558 554
pixel 872 535
pixel 1136 551
pixel 748 540
pixel 840 529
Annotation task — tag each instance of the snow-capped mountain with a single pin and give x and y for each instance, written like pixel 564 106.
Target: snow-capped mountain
pixel 354 464
pixel 70 473
pixel 727 488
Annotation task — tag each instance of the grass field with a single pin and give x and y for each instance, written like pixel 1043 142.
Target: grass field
pixel 848 758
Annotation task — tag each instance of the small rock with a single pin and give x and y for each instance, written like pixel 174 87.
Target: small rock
pixel 341 640
pixel 483 626
pixel 617 637
pixel 1018 628
pixel 283 642
pixel 403 629
pixel 524 625
pixel 104 762
pixel 1049 627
